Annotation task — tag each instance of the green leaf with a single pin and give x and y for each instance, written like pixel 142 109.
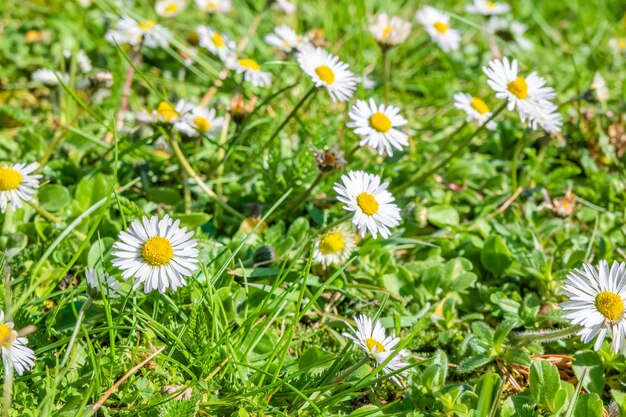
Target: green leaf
pixel 544 382
pixel 474 362
pixel 192 220
pixel 98 250
pixel 442 216
pixel 495 256
pixel 517 356
pixel 588 405
pixel 594 380
pixel 503 330
pixel 53 197
pixel 315 359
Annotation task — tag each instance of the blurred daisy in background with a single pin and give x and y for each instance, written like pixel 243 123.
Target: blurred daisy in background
pixel 377 345
pixel 617 45
pixel 48 77
pixel 597 296
pixel 367 82
pixel 326 70
pixel 214 6
pixel 251 71
pixel 147 32
pixel 390 32
pixel 510 31
pixel 487 8
pixel 82 60
pixel 165 113
pixel 99 282
pixel 378 126
pixel 546 117
pixel 15 353
pixel 216 43
pixel 437 25
pixel 199 121
pixel 334 247
pixel 528 94
pixel 170 8
pixel 373 206
pixel 17 184
pixel 284 6
pixel 157 253
pixel 598 88
pixel 285 39
pixel 475 109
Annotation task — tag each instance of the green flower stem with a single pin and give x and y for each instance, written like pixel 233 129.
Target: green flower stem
pixel 386 79
pixel 516 153
pixel 297 107
pixel 543 336
pixel 7 388
pixel 423 173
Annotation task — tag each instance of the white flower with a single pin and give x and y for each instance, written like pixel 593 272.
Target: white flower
pixel 546 117
pixel 373 206
pixel 158 253
pixel 377 125
pixel 49 77
pixel 285 39
pixel 97 279
pixel 508 29
pixel 474 108
pixel 15 353
pixel 170 8
pixel 284 6
pixel 17 184
pixel 165 113
pixel 437 25
pixel 377 345
pixel 148 33
pixel 366 82
pixel 527 94
pixel 334 247
pixel 599 88
pixel 617 45
pixel 199 121
pixel 214 6
pixel 487 8
pixel 83 61
pixel 216 43
pixel 326 70
pixel 597 296
pixel 251 71
pixel 390 32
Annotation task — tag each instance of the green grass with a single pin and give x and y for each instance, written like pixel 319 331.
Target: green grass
pixel 475 264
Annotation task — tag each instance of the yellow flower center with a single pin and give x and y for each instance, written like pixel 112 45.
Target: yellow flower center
pixel 380 122
pixel 218 40
pixel 610 305
pixel 250 64
pixel 147 25
pixel 326 74
pixel 10 179
pixel 387 32
pixel 621 43
pixel 202 124
pixel 7 337
pixel 157 251
pixel 479 105
pixel 210 5
pixel 441 27
pixel 491 5
pixel 166 111
pixel 171 8
pixel 367 203
pixel 519 87
pixel 373 343
pixel 332 243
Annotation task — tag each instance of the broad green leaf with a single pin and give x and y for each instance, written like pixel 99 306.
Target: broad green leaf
pixel 544 382
pixel 594 380
pixel 588 405
pixel 53 197
pixel 495 255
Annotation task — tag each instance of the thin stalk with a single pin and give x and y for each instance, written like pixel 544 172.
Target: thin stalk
pixel 516 152
pixel 544 335
pixel 299 199
pixel 7 388
pixel 297 107
pixel 386 81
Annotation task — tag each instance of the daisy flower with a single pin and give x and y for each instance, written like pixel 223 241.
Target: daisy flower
pixel 214 6
pixel 166 113
pixel 326 70
pixel 475 109
pixel 509 30
pixel 617 45
pixel 528 94
pixel 83 61
pixel 487 8
pixel 148 33
pixel 334 247
pixel 15 353
pixel 599 89
pixel 378 126
pixel 390 32
pixel 285 39
pixel 170 8
pixel 48 77
pixel 158 253
pixel 373 206
pixel 251 71
pixel 377 345
pixel 215 42
pixel 97 279
pixel 597 296
pixel 199 121
pixel 284 6
pixel 546 117
pixel 17 184
pixel 437 25
pixel 367 82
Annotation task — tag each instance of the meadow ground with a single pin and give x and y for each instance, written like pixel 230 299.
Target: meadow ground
pixel 206 213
